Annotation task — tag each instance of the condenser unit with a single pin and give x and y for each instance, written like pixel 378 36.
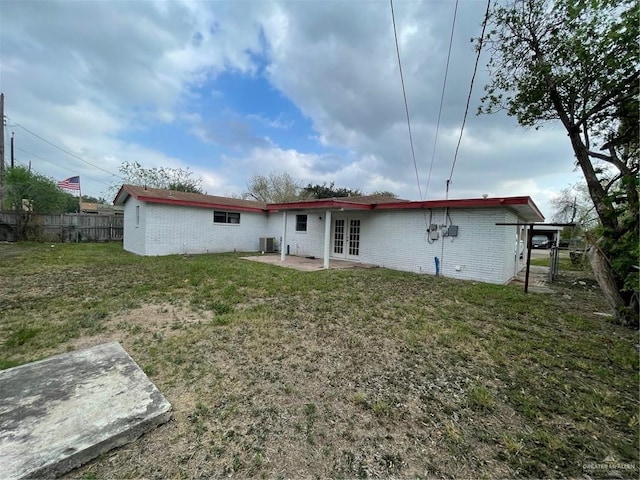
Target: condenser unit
pixel 267 244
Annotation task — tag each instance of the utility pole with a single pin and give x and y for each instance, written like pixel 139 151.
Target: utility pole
pixel 2 152
pixel 12 133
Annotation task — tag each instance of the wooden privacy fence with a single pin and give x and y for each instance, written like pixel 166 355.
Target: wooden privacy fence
pixel 66 227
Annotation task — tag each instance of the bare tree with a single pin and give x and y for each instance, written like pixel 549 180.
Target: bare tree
pixel 273 188
pixel 178 179
pixel 574 205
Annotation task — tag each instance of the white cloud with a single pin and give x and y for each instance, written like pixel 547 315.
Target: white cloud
pixel 87 75
pixel 279 122
pixel 84 74
pixel 308 169
pixel 339 66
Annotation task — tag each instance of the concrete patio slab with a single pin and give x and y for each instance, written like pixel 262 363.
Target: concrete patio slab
pixel 538 279
pixel 305 264
pixel 57 414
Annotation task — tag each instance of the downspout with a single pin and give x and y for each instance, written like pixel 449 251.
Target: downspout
pixel 516 262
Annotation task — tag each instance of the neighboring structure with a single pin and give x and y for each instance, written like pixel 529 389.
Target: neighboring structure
pixel 454 238
pixel 549 231
pixel 100 209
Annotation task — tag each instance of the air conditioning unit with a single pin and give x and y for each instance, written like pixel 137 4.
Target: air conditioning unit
pixel 267 244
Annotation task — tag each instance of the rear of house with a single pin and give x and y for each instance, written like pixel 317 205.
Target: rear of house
pixel 162 222
pixel 457 238
pixel 454 238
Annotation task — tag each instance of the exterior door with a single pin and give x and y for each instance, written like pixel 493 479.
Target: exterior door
pixel 346 238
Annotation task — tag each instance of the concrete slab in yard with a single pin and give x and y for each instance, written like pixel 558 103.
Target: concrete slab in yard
pixel 61 412
pixel 306 264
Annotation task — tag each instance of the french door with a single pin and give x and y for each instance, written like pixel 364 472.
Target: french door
pixel 346 238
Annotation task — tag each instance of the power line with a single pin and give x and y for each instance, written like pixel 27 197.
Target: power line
pixel 57 165
pixel 62 149
pixel 444 84
pixel 473 77
pixel 406 105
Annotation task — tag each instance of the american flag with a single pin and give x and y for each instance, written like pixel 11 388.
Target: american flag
pixel 71 183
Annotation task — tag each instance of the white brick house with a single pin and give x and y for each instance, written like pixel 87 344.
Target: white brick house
pixel 162 222
pixel 454 238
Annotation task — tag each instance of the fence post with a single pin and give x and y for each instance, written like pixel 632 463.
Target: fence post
pixel 553 264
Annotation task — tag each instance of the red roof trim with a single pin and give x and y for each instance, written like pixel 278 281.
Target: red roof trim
pixel 461 203
pixel 465 203
pixel 210 206
pixel 343 203
pixel 406 205
pixel 166 197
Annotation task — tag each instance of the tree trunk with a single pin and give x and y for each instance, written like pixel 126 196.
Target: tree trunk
pixel 606 214
pixel 603 273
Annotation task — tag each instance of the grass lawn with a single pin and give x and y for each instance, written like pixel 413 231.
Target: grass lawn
pixel 343 373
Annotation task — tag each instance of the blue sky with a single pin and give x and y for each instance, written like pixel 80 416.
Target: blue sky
pixel 234 89
pixel 241 111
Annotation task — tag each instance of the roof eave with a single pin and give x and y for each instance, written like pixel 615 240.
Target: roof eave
pixel 121 196
pixel 210 206
pixel 522 205
pixel 130 190
pixel 319 205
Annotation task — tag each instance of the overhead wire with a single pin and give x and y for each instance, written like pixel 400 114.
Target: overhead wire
pixel 444 85
pixel 61 149
pixel 466 110
pixel 56 164
pixel 406 105
pixel 464 118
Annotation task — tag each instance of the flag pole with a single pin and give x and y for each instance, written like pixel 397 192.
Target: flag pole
pixel 79 218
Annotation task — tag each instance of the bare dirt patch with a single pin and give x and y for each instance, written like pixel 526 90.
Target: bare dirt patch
pixel 149 319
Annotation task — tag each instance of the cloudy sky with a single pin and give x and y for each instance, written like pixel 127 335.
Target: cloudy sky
pixel 236 88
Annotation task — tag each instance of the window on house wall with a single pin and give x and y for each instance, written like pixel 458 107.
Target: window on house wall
pixel 301 223
pixel 226 217
pixel 137 215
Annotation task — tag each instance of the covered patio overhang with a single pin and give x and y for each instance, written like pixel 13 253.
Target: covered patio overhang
pixel 325 205
pixel 523 206
pixel 326 251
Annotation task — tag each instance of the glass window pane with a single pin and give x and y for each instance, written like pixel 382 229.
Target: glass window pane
pixel 301 223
